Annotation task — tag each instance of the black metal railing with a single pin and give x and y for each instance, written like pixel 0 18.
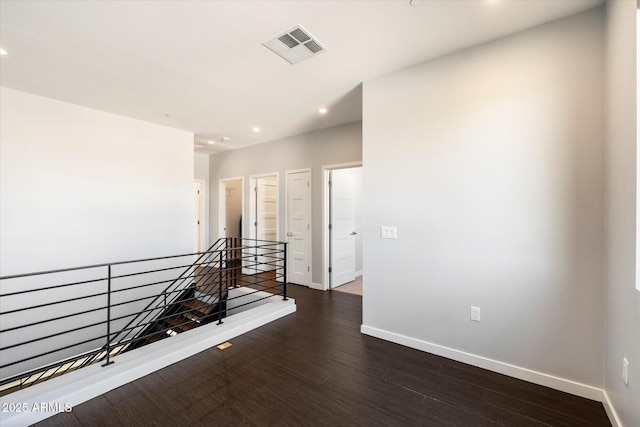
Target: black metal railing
pixel 57 321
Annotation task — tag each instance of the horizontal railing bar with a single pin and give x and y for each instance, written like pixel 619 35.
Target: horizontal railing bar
pixel 50 352
pixel 51 320
pixel 151 271
pixel 53 287
pixel 53 335
pixel 86 267
pixel 45 368
pixel 52 303
pixel 94 280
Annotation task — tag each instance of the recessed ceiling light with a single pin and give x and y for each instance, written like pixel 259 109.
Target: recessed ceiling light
pixel 416 3
pixel 211 142
pixel 322 110
pixel 256 129
pixel 3 52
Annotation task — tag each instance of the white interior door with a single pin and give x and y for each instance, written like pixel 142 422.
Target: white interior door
pixel 299 228
pixel 197 224
pixel 266 223
pixel 343 232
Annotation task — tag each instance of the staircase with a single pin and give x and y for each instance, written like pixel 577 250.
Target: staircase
pixel 196 297
pixel 203 302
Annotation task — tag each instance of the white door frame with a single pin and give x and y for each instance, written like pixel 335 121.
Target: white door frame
pixel 204 223
pixel 222 203
pixel 252 203
pixel 326 216
pixel 286 217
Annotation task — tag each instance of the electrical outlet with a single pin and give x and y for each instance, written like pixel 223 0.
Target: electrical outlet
pixel 475 314
pixel 625 371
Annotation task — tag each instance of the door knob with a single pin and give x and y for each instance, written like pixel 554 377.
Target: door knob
pixel 289 234
pixel 353 233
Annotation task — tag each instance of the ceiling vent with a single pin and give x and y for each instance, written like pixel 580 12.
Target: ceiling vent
pixel 295 45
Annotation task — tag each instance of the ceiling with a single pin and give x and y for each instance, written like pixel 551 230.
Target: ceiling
pixel 200 65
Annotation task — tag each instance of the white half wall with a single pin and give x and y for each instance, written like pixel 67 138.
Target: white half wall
pixel 340 144
pixel 79 186
pixel 490 164
pixel 622 299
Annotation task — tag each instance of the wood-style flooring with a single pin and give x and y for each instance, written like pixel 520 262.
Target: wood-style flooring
pixel 315 368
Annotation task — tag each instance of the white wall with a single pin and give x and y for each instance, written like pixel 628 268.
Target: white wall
pixel 79 186
pixel 621 298
pixel 340 144
pixel 490 163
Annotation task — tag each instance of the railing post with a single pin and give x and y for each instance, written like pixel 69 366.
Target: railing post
pixel 109 362
pixel 220 269
pixel 284 286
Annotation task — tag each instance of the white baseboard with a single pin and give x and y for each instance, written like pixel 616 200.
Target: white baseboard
pixel 611 410
pixel 358 273
pixel 74 388
pixel 317 286
pixel 562 384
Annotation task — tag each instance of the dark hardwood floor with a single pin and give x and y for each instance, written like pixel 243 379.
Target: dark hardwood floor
pixel 314 368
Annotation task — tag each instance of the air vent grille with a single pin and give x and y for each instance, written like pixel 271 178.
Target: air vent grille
pixel 313 46
pixel 289 41
pixel 300 35
pixel 295 45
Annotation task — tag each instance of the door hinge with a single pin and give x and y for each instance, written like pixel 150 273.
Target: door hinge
pixel 255 224
pixel 329 269
pixel 308 268
pixel 198 222
pixel 307 183
pixel 330 226
pixel 330 183
pixel 255 189
pixel 308 226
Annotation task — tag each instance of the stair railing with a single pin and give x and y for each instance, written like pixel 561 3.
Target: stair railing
pixel 56 321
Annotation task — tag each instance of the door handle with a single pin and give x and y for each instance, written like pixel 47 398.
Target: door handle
pixel 289 234
pixel 353 233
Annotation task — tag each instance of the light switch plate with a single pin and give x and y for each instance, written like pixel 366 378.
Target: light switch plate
pixel 388 232
pixel 475 314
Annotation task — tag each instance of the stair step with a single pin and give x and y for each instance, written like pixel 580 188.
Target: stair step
pixel 196 308
pixel 179 323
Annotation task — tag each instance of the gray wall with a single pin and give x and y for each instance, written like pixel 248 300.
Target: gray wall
pixel 340 144
pixel 490 163
pixel 621 298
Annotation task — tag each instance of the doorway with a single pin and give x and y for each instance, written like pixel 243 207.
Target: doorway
pixel 231 198
pixel 199 223
pixel 342 224
pixel 264 214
